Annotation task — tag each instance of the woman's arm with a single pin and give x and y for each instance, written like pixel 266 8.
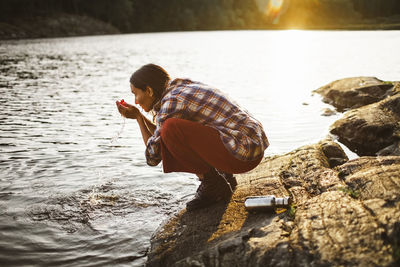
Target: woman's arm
pixel 131 112
pixel 150 125
pixel 143 128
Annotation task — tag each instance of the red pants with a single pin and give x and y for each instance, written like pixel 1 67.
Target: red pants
pixel 188 146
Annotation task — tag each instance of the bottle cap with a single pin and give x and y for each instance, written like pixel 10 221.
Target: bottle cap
pixel 282 201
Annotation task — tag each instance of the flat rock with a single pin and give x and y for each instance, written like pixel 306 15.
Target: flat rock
pixel 372 128
pixel 355 92
pixel 345 213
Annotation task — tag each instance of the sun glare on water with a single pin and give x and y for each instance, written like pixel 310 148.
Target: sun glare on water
pixel 291 61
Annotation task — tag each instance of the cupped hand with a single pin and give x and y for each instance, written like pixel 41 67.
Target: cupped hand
pixel 127 110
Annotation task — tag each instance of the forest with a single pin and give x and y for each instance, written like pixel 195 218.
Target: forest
pixel 179 15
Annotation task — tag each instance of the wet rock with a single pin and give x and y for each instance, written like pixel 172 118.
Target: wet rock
pixel 328 226
pixel 355 92
pixel 369 129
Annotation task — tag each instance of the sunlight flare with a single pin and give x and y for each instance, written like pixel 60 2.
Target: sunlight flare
pixel 273 9
pixel 275 5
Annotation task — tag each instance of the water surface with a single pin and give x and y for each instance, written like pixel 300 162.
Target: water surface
pixel 74 186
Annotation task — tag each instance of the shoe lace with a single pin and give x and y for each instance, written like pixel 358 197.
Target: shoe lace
pixel 223 175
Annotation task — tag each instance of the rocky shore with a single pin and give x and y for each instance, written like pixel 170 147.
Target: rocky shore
pixel 344 212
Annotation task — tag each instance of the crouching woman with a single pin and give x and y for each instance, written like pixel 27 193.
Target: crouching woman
pixel 198 130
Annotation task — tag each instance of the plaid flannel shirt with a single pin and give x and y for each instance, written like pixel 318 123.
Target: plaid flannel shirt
pixel 241 134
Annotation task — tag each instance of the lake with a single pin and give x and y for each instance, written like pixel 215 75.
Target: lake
pixel 75 189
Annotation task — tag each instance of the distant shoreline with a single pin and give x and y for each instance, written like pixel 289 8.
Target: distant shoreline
pixel 56 25
pixel 67 25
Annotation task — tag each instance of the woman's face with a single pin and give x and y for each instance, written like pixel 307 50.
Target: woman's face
pixel 144 98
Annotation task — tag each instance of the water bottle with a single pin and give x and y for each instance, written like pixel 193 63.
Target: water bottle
pixel 270 202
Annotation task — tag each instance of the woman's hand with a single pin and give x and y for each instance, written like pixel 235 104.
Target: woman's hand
pixel 128 111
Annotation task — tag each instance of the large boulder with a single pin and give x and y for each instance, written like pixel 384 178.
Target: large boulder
pixel 372 128
pixel 329 224
pixel 355 92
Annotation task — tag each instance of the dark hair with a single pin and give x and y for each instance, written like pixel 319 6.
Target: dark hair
pixel 151 75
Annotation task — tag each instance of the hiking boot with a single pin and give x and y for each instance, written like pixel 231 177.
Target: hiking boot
pixel 214 187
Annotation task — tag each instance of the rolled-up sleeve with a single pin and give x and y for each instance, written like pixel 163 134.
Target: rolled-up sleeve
pixel 153 149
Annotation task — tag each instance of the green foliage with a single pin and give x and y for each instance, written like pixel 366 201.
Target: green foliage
pixel 388 82
pixel 291 211
pixel 377 8
pixel 350 191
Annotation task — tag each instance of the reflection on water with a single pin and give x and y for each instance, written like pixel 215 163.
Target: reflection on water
pixel 74 185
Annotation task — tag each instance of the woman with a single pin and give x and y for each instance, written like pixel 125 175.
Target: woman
pixel 199 130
